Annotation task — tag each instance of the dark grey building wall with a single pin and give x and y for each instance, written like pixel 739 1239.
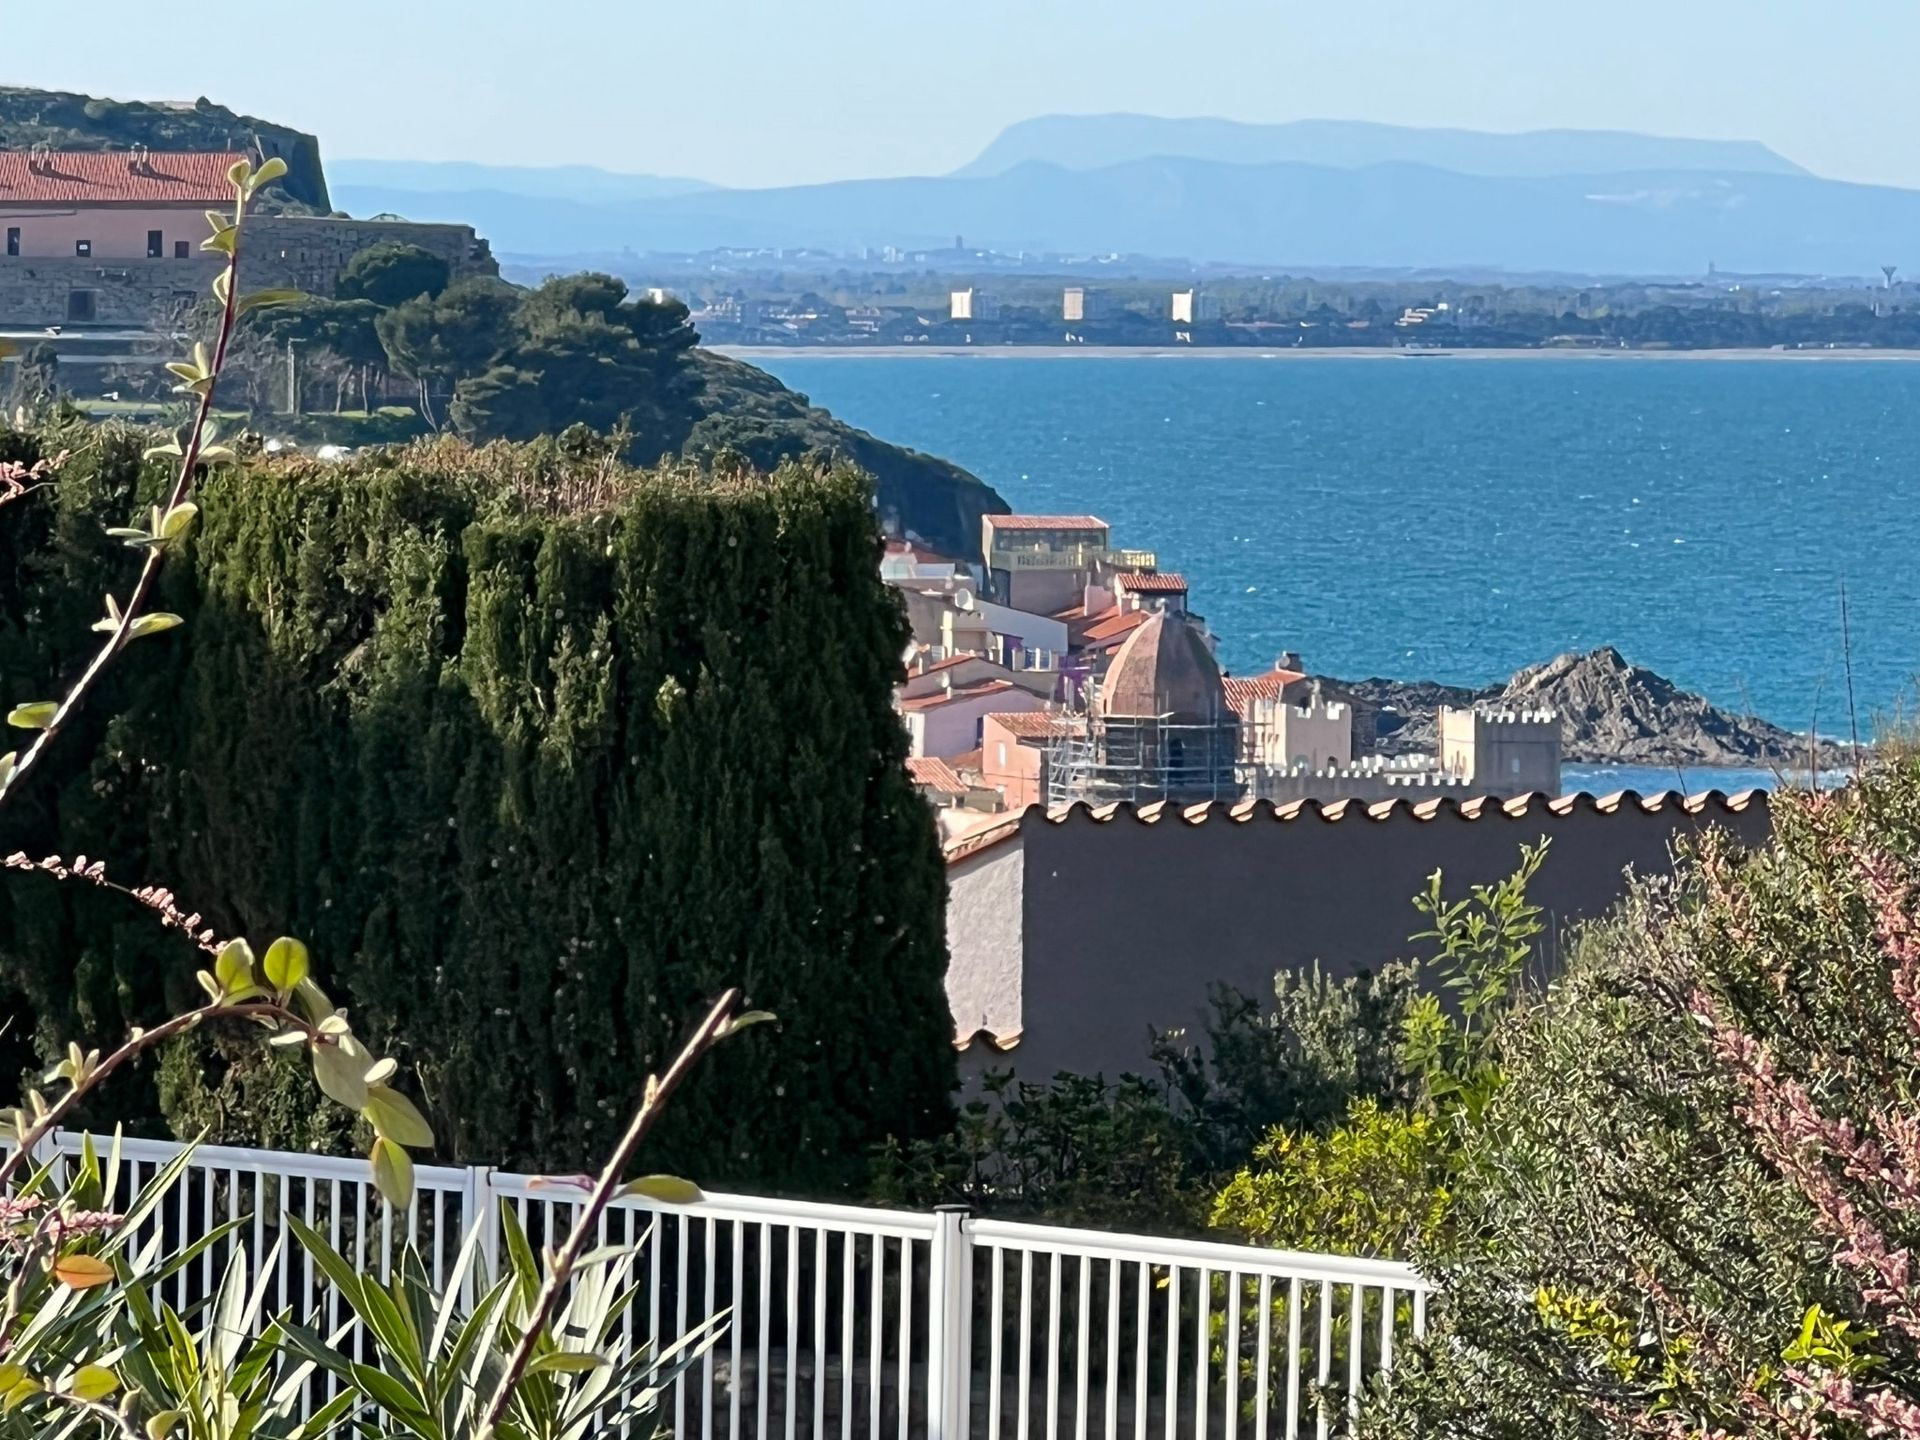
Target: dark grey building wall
pixel 1128 924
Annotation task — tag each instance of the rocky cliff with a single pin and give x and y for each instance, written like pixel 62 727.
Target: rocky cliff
pixel 1611 712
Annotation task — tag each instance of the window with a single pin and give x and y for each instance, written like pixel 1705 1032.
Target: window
pixel 1003 754
pixel 83 248
pixel 180 251
pixel 13 240
pixel 80 307
pixel 156 245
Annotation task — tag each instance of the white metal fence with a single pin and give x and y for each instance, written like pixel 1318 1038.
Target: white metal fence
pixel 850 1321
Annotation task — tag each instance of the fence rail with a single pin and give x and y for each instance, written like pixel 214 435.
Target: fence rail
pixel 848 1321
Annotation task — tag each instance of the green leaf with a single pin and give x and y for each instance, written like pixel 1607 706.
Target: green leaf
pixel 233 966
pixel 748 1017
pixel 267 299
pixel 225 240
pixel 269 172
pixel 37 716
pixel 153 453
pixel 383 1071
pixel 340 1069
pixel 392 1172
pixel 178 519
pixel 286 964
pixel 666 1189
pixel 239 171
pixel 395 1117
pixel 565 1362
pixel 7 762
pixel 93 1382
pixel 10 1376
pixel 153 624
pixel 163 1424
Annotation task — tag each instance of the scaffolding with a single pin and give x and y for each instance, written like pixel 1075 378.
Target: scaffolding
pixel 1141 759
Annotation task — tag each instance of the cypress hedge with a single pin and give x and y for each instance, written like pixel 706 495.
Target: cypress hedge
pixel 537 753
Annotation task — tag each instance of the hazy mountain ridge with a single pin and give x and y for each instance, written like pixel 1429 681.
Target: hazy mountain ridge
pixel 584 183
pixel 1285 215
pixel 1095 142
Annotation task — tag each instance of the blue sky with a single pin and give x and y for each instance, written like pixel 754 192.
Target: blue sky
pixel 770 92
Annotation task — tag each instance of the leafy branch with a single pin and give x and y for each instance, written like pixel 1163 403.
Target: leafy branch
pixel 170 521
pixel 721 1021
pixel 275 991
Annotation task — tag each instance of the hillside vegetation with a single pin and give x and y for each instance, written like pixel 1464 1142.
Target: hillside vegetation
pixel 493 362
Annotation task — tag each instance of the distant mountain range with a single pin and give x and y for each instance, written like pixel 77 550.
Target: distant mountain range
pixel 585 183
pixel 1094 142
pixel 1306 196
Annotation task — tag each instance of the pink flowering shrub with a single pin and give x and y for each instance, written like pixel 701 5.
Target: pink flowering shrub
pixel 1692 1207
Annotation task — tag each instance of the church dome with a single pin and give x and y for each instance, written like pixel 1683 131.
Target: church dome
pixel 1165 669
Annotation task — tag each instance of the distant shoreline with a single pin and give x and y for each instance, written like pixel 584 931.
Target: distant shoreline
pixel 1255 352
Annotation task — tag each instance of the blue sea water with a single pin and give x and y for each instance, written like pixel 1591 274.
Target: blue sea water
pixel 1456 519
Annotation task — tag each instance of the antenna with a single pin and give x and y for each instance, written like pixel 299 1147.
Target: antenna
pixel 1889 271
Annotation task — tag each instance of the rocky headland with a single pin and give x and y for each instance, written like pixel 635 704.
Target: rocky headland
pixel 1611 712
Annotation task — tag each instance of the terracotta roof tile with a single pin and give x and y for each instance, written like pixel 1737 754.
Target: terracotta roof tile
pixel 999 1041
pixel 1033 724
pixel 949 697
pixel 1115 627
pixel 1242 692
pixel 1046 522
pixel 1144 583
pixel 1401 810
pixel 109 177
pixel 935 774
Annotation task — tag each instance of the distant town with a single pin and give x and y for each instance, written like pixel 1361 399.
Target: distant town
pixel 958 297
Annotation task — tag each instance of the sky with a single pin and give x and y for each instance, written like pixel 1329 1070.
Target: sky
pixel 769 92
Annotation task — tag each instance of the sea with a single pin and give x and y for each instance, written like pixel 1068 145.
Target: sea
pixel 1748 528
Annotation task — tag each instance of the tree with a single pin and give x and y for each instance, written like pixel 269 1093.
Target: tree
pixel 392 274
pixel 439 341
pixel 503 404
pixel 540 727
pixel 36 381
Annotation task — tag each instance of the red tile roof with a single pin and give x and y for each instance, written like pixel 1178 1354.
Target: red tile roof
pixel 1241 693
pixel 1112 628
pixel 935 774
pixel 958 693
pixel 111 177
pixel 1032 724
pixel 1532 809
pixel 969 760
pixel 1142 582
pixel 1046 522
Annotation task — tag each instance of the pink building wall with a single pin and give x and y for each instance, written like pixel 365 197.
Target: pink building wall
pixel 954 728
pixel 117 232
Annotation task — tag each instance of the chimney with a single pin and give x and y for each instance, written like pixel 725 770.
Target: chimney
pixel 1289 660
pixel 946 682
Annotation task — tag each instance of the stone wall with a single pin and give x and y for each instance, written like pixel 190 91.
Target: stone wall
pixel 309 253
pixel 136 294
pixel 1128 918
pixel 297 252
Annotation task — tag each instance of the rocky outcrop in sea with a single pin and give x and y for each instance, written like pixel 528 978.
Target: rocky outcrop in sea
pixel 1611 711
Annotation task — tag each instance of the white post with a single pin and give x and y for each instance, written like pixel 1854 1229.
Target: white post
pixel 949 1325
pixel 479 1206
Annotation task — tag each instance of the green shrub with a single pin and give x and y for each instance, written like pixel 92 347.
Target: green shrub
pixel 1367 1188
pixel 540 751
pixel 1679 1210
